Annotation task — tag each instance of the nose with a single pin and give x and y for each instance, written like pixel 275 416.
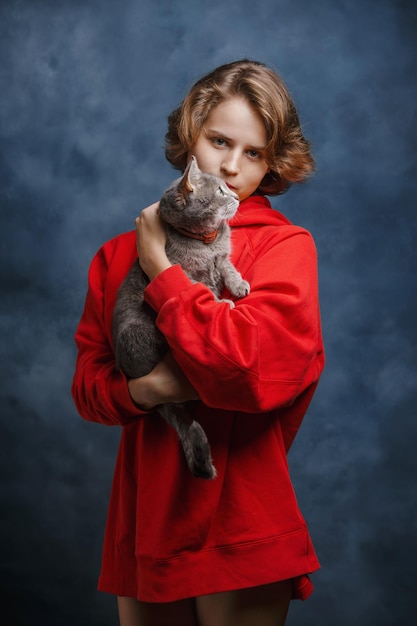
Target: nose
pixel 230 164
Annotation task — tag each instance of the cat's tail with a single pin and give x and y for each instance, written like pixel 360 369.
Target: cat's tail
pixel 193 440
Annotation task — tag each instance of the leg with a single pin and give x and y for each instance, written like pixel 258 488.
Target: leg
pixel 266 605
pixel 135 613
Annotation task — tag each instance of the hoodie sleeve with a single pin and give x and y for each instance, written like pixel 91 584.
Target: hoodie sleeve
pixel 100 392
pixel 263 353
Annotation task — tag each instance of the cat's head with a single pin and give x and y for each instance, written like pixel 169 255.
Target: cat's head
pixel 198 201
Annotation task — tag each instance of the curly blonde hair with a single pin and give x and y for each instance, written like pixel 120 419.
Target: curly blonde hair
pixel 288 153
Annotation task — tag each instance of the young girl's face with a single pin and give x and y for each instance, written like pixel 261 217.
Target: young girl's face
pixel 231 145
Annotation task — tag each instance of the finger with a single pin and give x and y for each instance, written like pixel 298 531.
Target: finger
pixel 152 209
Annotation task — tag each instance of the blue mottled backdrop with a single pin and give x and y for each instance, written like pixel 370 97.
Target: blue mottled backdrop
pixel 85 89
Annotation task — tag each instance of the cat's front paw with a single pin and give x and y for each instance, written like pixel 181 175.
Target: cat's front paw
pixel 229 302
pixel 242 290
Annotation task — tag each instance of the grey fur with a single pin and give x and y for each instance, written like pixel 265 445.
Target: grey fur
pixel 199 203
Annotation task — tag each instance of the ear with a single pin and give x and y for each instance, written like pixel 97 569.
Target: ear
pixel 189 173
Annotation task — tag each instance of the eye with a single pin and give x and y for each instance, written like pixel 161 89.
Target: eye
pixel 218 141
pixel 254 154
pixel 220 191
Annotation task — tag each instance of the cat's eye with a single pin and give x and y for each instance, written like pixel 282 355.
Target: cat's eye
pixel 220 191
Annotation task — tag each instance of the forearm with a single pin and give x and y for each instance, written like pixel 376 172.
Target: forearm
pixel 165 383
pixel 101 394
pixel 265 351
pixel 99 390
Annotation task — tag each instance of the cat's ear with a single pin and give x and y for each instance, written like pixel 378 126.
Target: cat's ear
pixel 188 176
pixel 186 185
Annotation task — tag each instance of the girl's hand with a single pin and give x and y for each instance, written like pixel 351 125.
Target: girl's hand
pixel 151 241
pixel 165 383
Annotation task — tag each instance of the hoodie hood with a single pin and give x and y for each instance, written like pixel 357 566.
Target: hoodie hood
pixel 257 210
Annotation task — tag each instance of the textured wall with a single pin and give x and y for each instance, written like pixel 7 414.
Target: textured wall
pixel 85 90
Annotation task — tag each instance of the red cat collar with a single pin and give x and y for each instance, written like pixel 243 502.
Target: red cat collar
pixel 205 237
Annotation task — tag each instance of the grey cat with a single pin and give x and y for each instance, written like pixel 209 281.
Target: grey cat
pixel 194 210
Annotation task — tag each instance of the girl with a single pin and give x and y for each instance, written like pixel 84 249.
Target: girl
pixel 234 550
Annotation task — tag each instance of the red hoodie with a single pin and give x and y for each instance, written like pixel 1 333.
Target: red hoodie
pixel 169 535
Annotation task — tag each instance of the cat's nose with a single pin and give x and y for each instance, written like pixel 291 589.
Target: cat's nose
pixel 232 191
